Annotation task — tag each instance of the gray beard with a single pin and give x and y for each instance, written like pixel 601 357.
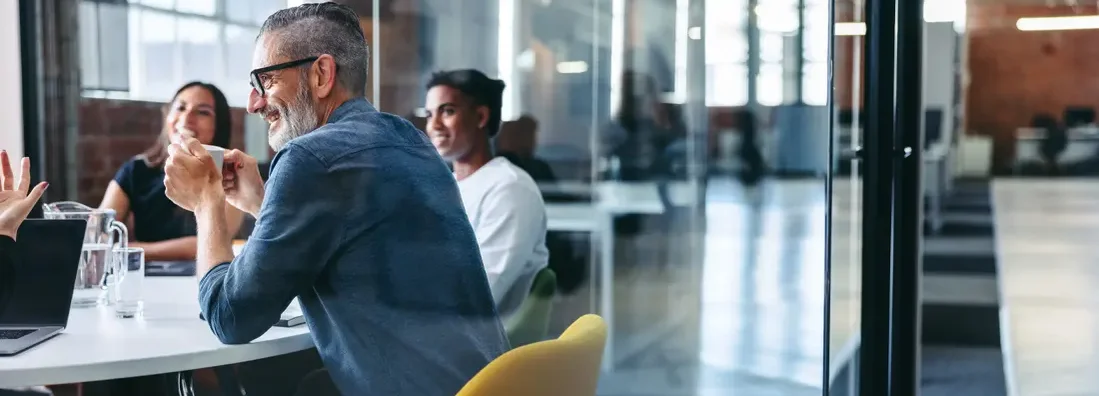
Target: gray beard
pixel 298 119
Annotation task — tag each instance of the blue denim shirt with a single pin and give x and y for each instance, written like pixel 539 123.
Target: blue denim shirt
pixel 362 221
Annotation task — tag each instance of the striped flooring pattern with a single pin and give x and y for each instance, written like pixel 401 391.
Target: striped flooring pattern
pixel 961 334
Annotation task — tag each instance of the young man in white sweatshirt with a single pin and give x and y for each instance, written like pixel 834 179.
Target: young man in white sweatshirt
pixel 503 203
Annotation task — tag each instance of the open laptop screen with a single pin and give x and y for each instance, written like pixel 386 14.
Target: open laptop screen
pixel 46 259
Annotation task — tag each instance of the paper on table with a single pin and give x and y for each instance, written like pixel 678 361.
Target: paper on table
pixel 292 315
pixel 294 309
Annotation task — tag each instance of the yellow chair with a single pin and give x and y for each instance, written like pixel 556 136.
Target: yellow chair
pixel 567 366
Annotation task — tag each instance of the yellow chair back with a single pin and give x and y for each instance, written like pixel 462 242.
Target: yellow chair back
pixel 567 366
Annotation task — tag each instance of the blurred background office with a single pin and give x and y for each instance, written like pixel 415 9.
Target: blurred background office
pixel 699 158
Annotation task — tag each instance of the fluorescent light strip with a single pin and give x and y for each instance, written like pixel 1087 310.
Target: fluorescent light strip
pixel 681 28
pixel 850 29
pixel 1058 23
pixel 572 67
pixel 618 44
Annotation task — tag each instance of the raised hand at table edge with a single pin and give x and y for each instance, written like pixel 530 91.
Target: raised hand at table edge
pixel 242 182
pixel 15 201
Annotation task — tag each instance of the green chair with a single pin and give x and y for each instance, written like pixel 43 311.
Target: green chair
pixel 530 323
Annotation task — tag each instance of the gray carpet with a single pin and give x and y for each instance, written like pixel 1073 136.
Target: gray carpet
pixel 957 371
pixel 960 352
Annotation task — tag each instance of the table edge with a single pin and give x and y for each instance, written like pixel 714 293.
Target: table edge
pixel 67 374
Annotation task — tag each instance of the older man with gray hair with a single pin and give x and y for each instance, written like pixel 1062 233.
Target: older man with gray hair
pixel 360 220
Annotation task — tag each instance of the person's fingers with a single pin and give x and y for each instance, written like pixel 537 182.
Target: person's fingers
pixel 236 158
pixel 194 147
pixel 183 132
pixel 7 177
pixel 187 164
pixel 37 192
pixel 25 175
pixel 25 205
pixel 239 158
pixel 174 150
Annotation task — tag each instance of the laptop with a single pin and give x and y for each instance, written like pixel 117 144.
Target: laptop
pixel 46 259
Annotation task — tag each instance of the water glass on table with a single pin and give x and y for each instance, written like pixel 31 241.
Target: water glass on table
pixel 129 282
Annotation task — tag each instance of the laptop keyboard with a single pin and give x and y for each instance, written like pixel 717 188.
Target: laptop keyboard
pixel 14 334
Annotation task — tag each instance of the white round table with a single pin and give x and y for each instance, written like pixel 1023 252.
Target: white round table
pixel 169 337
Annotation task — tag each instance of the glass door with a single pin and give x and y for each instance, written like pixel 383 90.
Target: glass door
pixel 846 193
pixel 682 149
pixel 877 198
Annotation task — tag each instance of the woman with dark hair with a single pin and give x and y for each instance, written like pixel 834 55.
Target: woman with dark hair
pixel 165 231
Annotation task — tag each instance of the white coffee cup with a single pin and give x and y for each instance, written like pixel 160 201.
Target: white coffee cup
pixel 217 153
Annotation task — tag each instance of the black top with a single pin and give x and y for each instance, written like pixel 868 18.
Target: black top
pixel 156 218
pixel 7 269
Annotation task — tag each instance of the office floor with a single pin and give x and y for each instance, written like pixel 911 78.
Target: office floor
pixel 760 327
pixel 1047 232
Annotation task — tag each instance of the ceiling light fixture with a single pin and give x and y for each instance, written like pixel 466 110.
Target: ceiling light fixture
pixel 1079 22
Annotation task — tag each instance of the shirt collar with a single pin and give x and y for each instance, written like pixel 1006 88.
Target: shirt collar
pixel 351 106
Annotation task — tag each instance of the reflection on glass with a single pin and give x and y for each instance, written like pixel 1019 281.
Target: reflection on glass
pixel 846 226
pixel 684 205
pixel 710 276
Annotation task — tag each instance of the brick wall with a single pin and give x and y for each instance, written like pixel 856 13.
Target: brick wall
pixel 1015 75
pixel 113 131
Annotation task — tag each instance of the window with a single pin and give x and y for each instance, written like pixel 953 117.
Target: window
pixel 199 7
pixel 104 54
pixel 815 39
pixel 815 84
pixel 727 85
pixel 777 19
pixel 779 16
pixel 770 84
pixel 153 62
pixel 238 40
pixel 172 42
pixel 253 12
pixel 726 52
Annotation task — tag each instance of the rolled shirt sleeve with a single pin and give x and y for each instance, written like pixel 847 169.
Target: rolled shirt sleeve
pixel 297 231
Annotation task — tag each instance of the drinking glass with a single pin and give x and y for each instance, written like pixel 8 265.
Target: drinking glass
pixel 128 281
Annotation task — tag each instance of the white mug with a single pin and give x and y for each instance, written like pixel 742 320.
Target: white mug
pixel 218 153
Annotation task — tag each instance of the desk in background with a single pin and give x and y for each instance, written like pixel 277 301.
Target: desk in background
pixel 610 199
pixel 1083 144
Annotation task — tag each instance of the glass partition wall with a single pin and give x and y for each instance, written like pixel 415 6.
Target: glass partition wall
pixel 698 159
pixel 682 150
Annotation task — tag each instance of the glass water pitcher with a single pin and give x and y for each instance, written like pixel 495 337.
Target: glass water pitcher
pixel 95 275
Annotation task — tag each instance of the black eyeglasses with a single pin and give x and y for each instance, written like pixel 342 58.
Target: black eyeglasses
pixel 258 83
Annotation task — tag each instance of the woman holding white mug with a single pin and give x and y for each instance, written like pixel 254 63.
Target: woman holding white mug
pixel 166 232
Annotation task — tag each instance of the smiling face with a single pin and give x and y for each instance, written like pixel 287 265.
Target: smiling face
pixel 288 105
pixel 454 122
pixel 193 110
